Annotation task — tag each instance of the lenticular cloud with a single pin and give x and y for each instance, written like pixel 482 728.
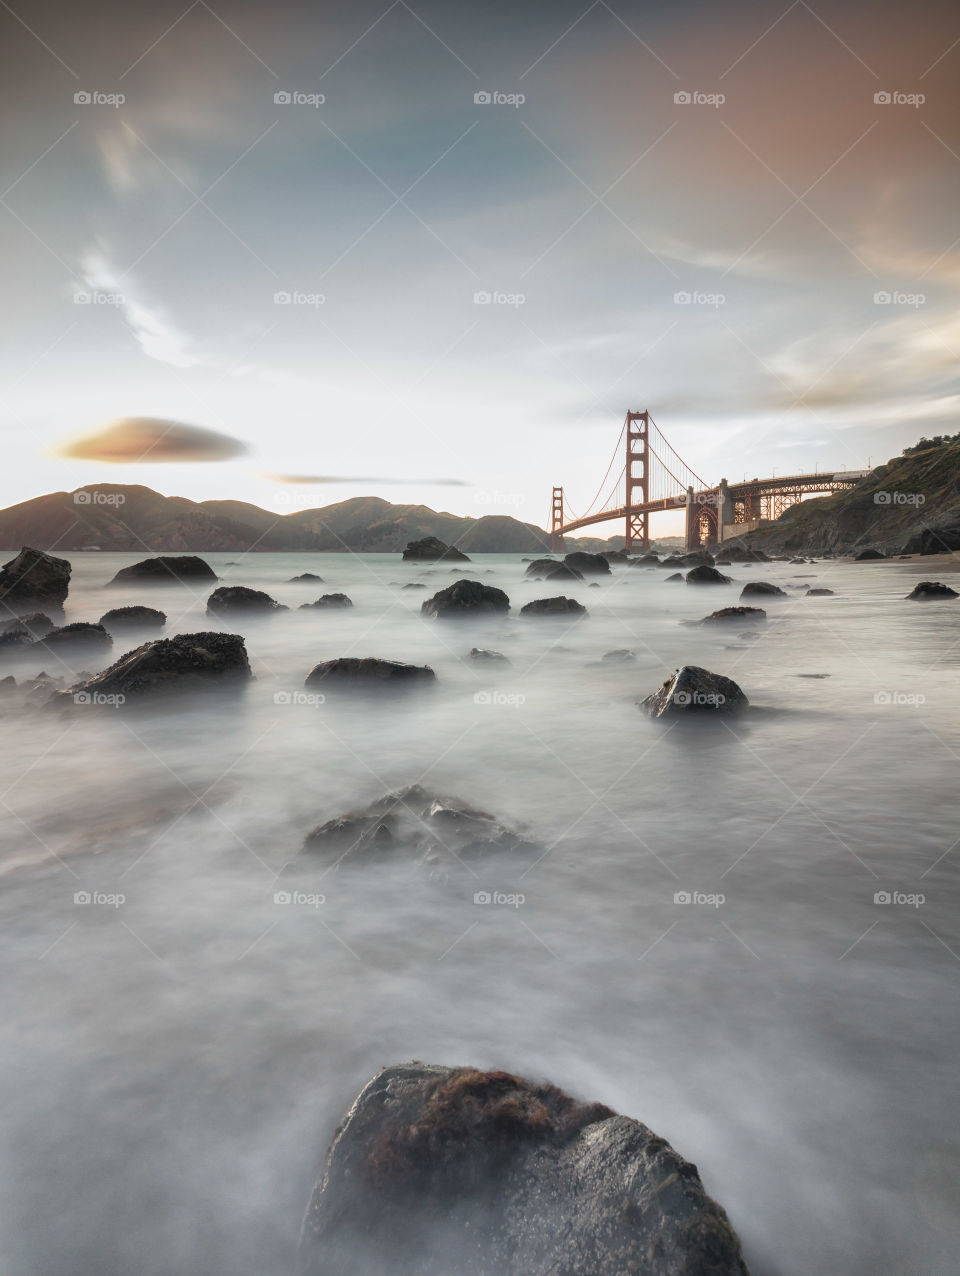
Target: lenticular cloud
pixel 153 440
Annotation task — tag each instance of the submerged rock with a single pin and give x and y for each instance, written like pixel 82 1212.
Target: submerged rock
pixel 692 689
pixel 707 575
pixel 930 590
pixel 433 550
pixel 74 640
pixel 482 654
pixel 675 576
pixel 868 555
pixel 697 558
pixel 621 656
pixel 175 569
pixel 587 564
pixel 185 664
pixel 762 588
pixel 465 598
pixel 33 580
pixel 734 613
pixel 358 673
pixel 560 607
pixel 538 566
pixel 229 599
pixel 563 571
pixel 34 622
pixel 121 619
pixel 306 578
pixel 818 593
pixel 440 1171
pixel 437 831
pixel 329 600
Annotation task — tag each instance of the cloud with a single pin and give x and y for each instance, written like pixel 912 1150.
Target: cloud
pixel 149 440
pixel 365 478
pixel 157 336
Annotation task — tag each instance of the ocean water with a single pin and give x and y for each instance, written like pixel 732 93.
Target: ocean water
pixel 704 943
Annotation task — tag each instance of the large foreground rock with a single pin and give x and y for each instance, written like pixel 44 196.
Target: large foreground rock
pixel 466 598
pixel 358 673
pixel 184 664
pixel 454 1172
pixel 930 590
pixel 439 832
pixel 431 549
pixel 695 690
pixel 33 581
pixel 172 569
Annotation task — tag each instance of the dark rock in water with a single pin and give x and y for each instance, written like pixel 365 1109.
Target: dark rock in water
pixel 562 608
pixel 740 554
pixel 696 558
pixel 797 561
pixel 538 566
pixel 432 550
pixel 593 585
pixel 480 653
pixel 440 1171
pixel 675 576
pixel 329 600
pixel 232 599
pixel 306 578
pixel 466 598
pixel 8 685
pixel 818 593
pixel 762 588
pixel 734 613
pixel 587 564
pixel 672 560
pixel 33 580
pixel 15 638
pixel 166 570
pixel 413 584
pixel 185 664
pixel 646 560
pixel 615 555
pixel 34 622
pixel 811 675
pixel 563 571
pixel 621 656
pixel 436 831
pixel 929 590
pixel 74 640
pixel 121 619
pixel 695 690
pixel 367 672
pixel 868 555
pixel 934 540
pixel 706 575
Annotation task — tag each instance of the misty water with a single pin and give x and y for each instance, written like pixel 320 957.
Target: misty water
pixel 176 1061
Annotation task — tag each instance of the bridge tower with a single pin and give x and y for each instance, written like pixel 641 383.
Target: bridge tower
pixel 556 521
pixel 637 478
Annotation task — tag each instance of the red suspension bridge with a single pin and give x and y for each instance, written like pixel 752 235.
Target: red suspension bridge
pixel 653 479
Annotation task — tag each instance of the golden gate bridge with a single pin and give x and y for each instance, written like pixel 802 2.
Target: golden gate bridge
pixel 653 479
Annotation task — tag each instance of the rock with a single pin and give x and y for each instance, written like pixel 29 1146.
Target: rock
pixel 466 598
pixel 868 555
pixel 587 564
pixel 563 571
pixel 329 600
pixel 929 590
pixel 675 576
pixel 121 619
pixel 482 654
pixel 232 599
pixel 15 638
pixel 187 663
pixel 621 656
pixel 797 561
pixel 734 613
pixel 740 554
pixel 934 540
pixel 695 690
pixel 697 558
pixel 166 570
pixel 645 560
pixel 439 1171
pixel 672 560
pixel 537 566
pixel 33 580
pixel 413 585
pixel 560 608
pixel 615 555
pixel 436 831
pixel 357 673
pixel 306 578
pixel 432 550
pixel 34 622
pixel 74 640
pixel 762 588
pixel 818 593
pixel 706 575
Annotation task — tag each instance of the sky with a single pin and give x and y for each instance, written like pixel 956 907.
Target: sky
pixel 434 251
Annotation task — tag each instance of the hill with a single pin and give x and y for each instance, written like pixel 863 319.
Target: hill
pixel 911 504
pixel 131 517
